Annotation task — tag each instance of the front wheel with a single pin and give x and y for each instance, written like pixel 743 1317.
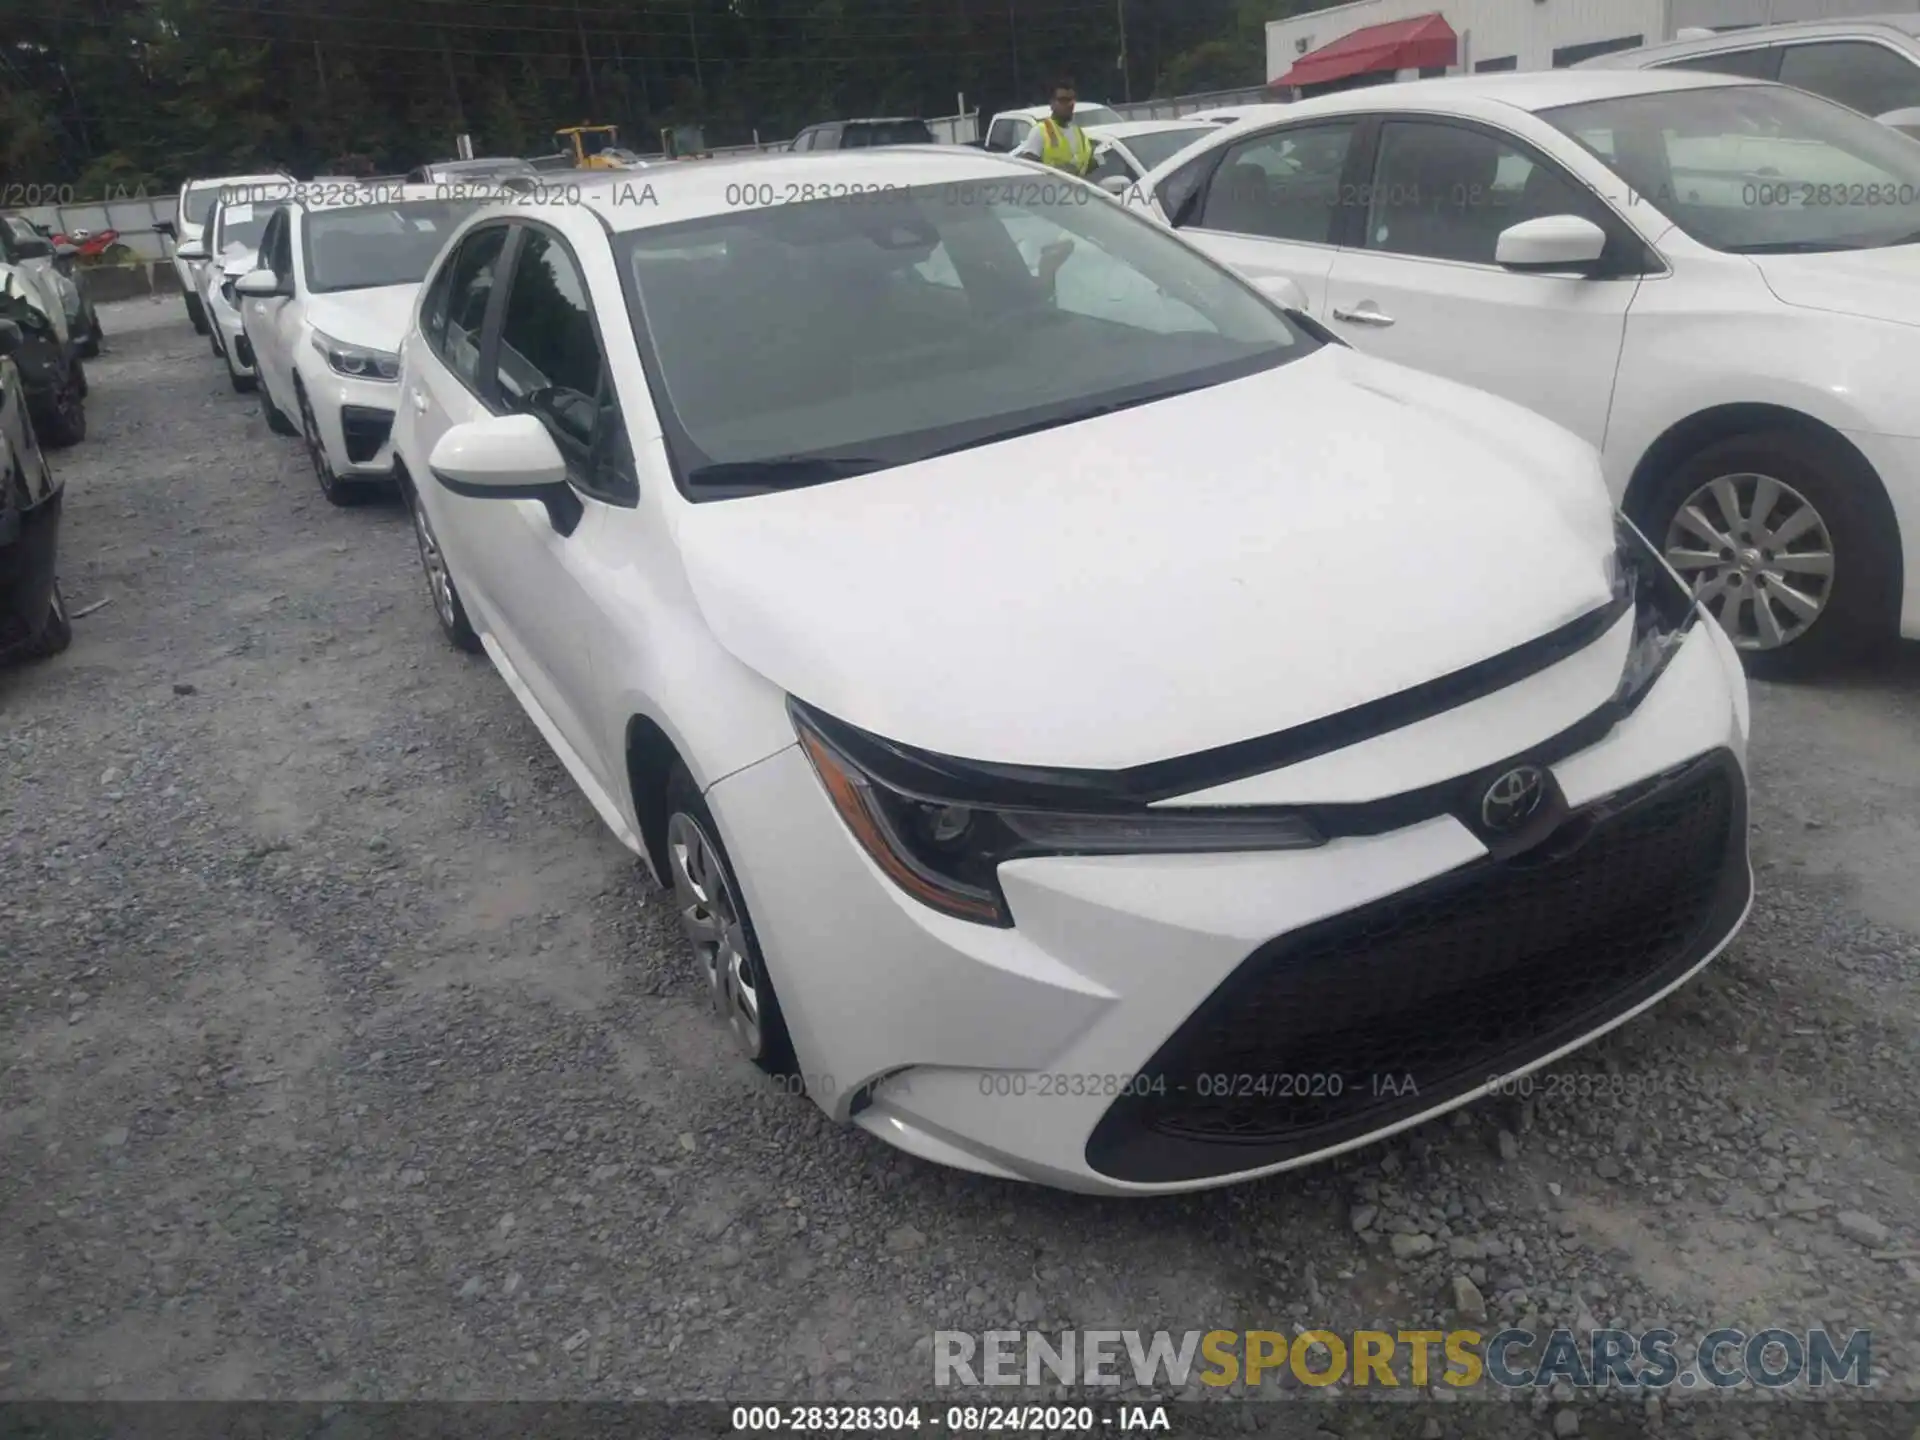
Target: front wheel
pixel 63 420
pixel 337 491
pixel 57 634
pixel 197 313
pixel 277 421
pixel 714 919
pixel 447 606
pixel 1777 535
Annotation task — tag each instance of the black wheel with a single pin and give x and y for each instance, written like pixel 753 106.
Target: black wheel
pixel 440 587
pixel 276 421
pixel 90 343
pixel 713 917
pixel 337 491
pixel 1780 536
pixel 62 420
pixel 197 313
pixel 56 634
pixel 241 383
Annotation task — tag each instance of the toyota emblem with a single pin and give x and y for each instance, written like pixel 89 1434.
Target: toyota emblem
pixel 1513 799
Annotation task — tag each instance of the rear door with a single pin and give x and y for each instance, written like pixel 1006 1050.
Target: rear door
pixel 1274 203
pixel 1422 286
pixel 262 316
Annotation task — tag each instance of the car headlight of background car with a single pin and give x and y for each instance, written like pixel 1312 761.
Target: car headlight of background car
pixel 946 849
pixel 359 361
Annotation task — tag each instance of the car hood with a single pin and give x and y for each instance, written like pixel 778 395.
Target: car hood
pixel 1166 579
pixel 1880 284
pixel 375 318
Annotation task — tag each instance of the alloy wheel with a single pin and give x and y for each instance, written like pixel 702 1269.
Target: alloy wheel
pixel 1758 556
pixel 439 582
pixel 710 917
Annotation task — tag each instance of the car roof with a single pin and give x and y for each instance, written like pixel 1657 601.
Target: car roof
pixel 1520 90
pixel 358 196
pixel 1754 36
pixel 1127 129
pixel 1034 112
pixel 704 188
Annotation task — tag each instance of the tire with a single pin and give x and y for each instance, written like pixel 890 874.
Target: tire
pixel 276 421
pixel 197 313
pixel 1808 575
pixel 56 634
pixel 445 595
pixel 62 421
pixel 338 492
pixel 80 382
pixel 729 960
pixel 241 383
pixel 90 347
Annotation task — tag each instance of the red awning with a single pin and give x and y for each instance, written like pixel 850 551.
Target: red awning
pixel 1416 44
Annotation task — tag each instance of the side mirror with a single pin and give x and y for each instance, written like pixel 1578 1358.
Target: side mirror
pixel 260 285
pixel 10 338
pixel 1283 291
pixel 507 457
pixel 165 227
pixel 190 250
pixel 1553 244
pixel 1116 184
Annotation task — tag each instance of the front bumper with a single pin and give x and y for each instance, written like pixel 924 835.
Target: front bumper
pixel 355 419
pixel 1032 1052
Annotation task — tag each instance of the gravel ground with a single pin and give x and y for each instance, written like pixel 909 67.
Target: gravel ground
pixel 344 1055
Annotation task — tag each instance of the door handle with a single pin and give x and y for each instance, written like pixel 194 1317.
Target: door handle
pixel 1363 316
pixel 419 399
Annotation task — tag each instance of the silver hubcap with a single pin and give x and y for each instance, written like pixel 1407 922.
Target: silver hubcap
pixel 1758 556
pixel 439 582
pixel 711 919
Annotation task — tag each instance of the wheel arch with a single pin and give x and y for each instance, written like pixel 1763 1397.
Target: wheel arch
pixel 1697 431
pixel 650 756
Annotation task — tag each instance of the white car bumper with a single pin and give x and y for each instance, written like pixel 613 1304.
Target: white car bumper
pixel 1230 994
pixel 355 418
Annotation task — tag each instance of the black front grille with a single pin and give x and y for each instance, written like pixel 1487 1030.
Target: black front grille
pixel 1341 1029
pixel 365 430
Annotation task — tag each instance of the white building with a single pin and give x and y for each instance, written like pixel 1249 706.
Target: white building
pixel 1506 34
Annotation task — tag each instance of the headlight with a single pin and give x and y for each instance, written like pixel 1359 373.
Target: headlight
pixel 1663 610
pixel 357 360
pixel 946 852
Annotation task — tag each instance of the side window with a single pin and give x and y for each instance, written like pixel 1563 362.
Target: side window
pixel 550 365
pixel 828 138
pixel 269 241
pixel 1760 64
pixel 1107 162
pixel 1870 78
pixel 804 140
pixel 1284 185
pixel 1445 192
pixel 469 278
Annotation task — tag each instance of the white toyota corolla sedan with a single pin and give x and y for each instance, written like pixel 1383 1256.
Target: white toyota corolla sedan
pixel 323 315
pixel 1104 733
pixel 1712 280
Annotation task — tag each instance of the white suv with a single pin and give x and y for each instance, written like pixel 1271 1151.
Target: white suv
pixel 1871 65
pixel 324 312
pixel 188 228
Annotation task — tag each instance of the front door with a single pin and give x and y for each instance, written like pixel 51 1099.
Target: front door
pixel 1422 287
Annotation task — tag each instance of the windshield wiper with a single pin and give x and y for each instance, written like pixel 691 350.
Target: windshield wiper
pixel 780 472
pixel 1793 247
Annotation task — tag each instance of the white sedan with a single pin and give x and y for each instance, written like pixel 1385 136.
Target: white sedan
pixel 229 246
pixel 1712 280
pixel 1129 744
pixel 324 314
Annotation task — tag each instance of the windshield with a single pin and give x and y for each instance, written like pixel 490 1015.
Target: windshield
pixel 197 203
pixel 886 132
pixel 1084 115
pixel 358 247
pixel 1157 145
pixel 1755 169
pixel 241 226
pixel 811 341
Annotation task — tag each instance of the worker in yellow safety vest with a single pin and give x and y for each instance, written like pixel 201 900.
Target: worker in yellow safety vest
pixel 1056 141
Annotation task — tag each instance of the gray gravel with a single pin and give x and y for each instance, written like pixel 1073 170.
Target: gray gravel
pixel 344 1055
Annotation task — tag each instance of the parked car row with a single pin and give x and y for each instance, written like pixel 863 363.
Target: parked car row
pixel 973 612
